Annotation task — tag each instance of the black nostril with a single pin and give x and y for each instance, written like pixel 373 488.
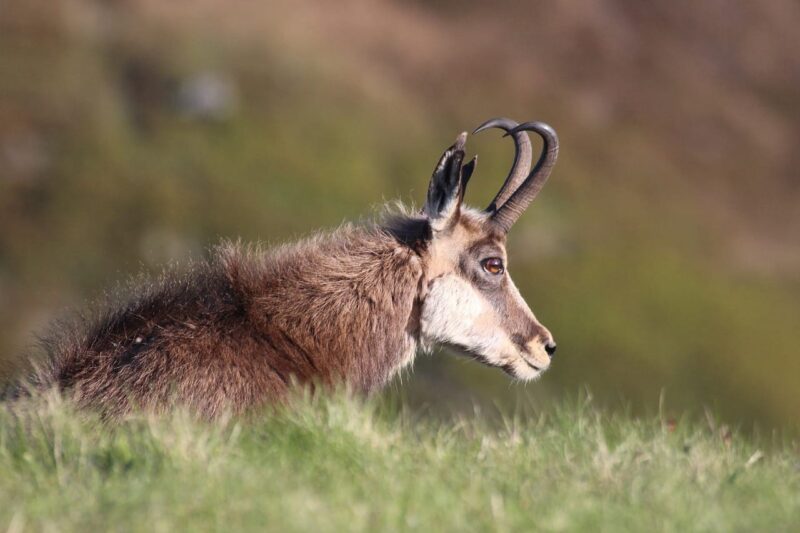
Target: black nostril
pixel 550 348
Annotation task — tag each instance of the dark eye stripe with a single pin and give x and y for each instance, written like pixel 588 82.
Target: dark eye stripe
pixel 493 265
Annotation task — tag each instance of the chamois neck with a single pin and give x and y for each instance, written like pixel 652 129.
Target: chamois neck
pixel 346 302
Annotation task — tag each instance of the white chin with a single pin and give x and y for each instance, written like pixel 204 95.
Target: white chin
pixel 524 372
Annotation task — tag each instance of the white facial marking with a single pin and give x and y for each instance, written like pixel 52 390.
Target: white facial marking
pixel 454 312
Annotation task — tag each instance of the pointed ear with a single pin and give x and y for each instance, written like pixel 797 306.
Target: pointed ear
pixel 446 190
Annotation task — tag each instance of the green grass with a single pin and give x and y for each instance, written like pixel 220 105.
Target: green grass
pixel 339 464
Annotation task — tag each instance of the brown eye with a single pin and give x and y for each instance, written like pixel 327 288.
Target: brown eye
pixel 493 265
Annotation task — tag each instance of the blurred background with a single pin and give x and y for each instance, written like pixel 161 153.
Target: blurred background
pixel 664 254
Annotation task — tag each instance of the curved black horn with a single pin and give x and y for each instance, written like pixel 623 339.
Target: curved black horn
pixel 522 159
pixel 511 209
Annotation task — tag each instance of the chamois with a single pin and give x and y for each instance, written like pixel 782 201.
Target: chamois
pixel 347 308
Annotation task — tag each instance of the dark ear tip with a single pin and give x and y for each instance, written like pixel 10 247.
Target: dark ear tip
pixel 466 172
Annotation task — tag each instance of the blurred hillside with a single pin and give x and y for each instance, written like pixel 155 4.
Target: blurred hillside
pixel 664 253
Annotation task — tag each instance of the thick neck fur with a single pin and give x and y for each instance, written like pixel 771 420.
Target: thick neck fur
pixel 348 301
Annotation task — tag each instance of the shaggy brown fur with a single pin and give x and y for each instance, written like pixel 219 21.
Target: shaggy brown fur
pixel 237 331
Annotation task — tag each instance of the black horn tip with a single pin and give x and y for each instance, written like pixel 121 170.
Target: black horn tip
pixel 543 129
pixel 505 124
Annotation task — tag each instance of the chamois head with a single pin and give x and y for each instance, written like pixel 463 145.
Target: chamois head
pixel 469 300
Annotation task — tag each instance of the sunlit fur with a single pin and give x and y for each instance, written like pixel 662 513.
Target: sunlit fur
pixel 243 328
